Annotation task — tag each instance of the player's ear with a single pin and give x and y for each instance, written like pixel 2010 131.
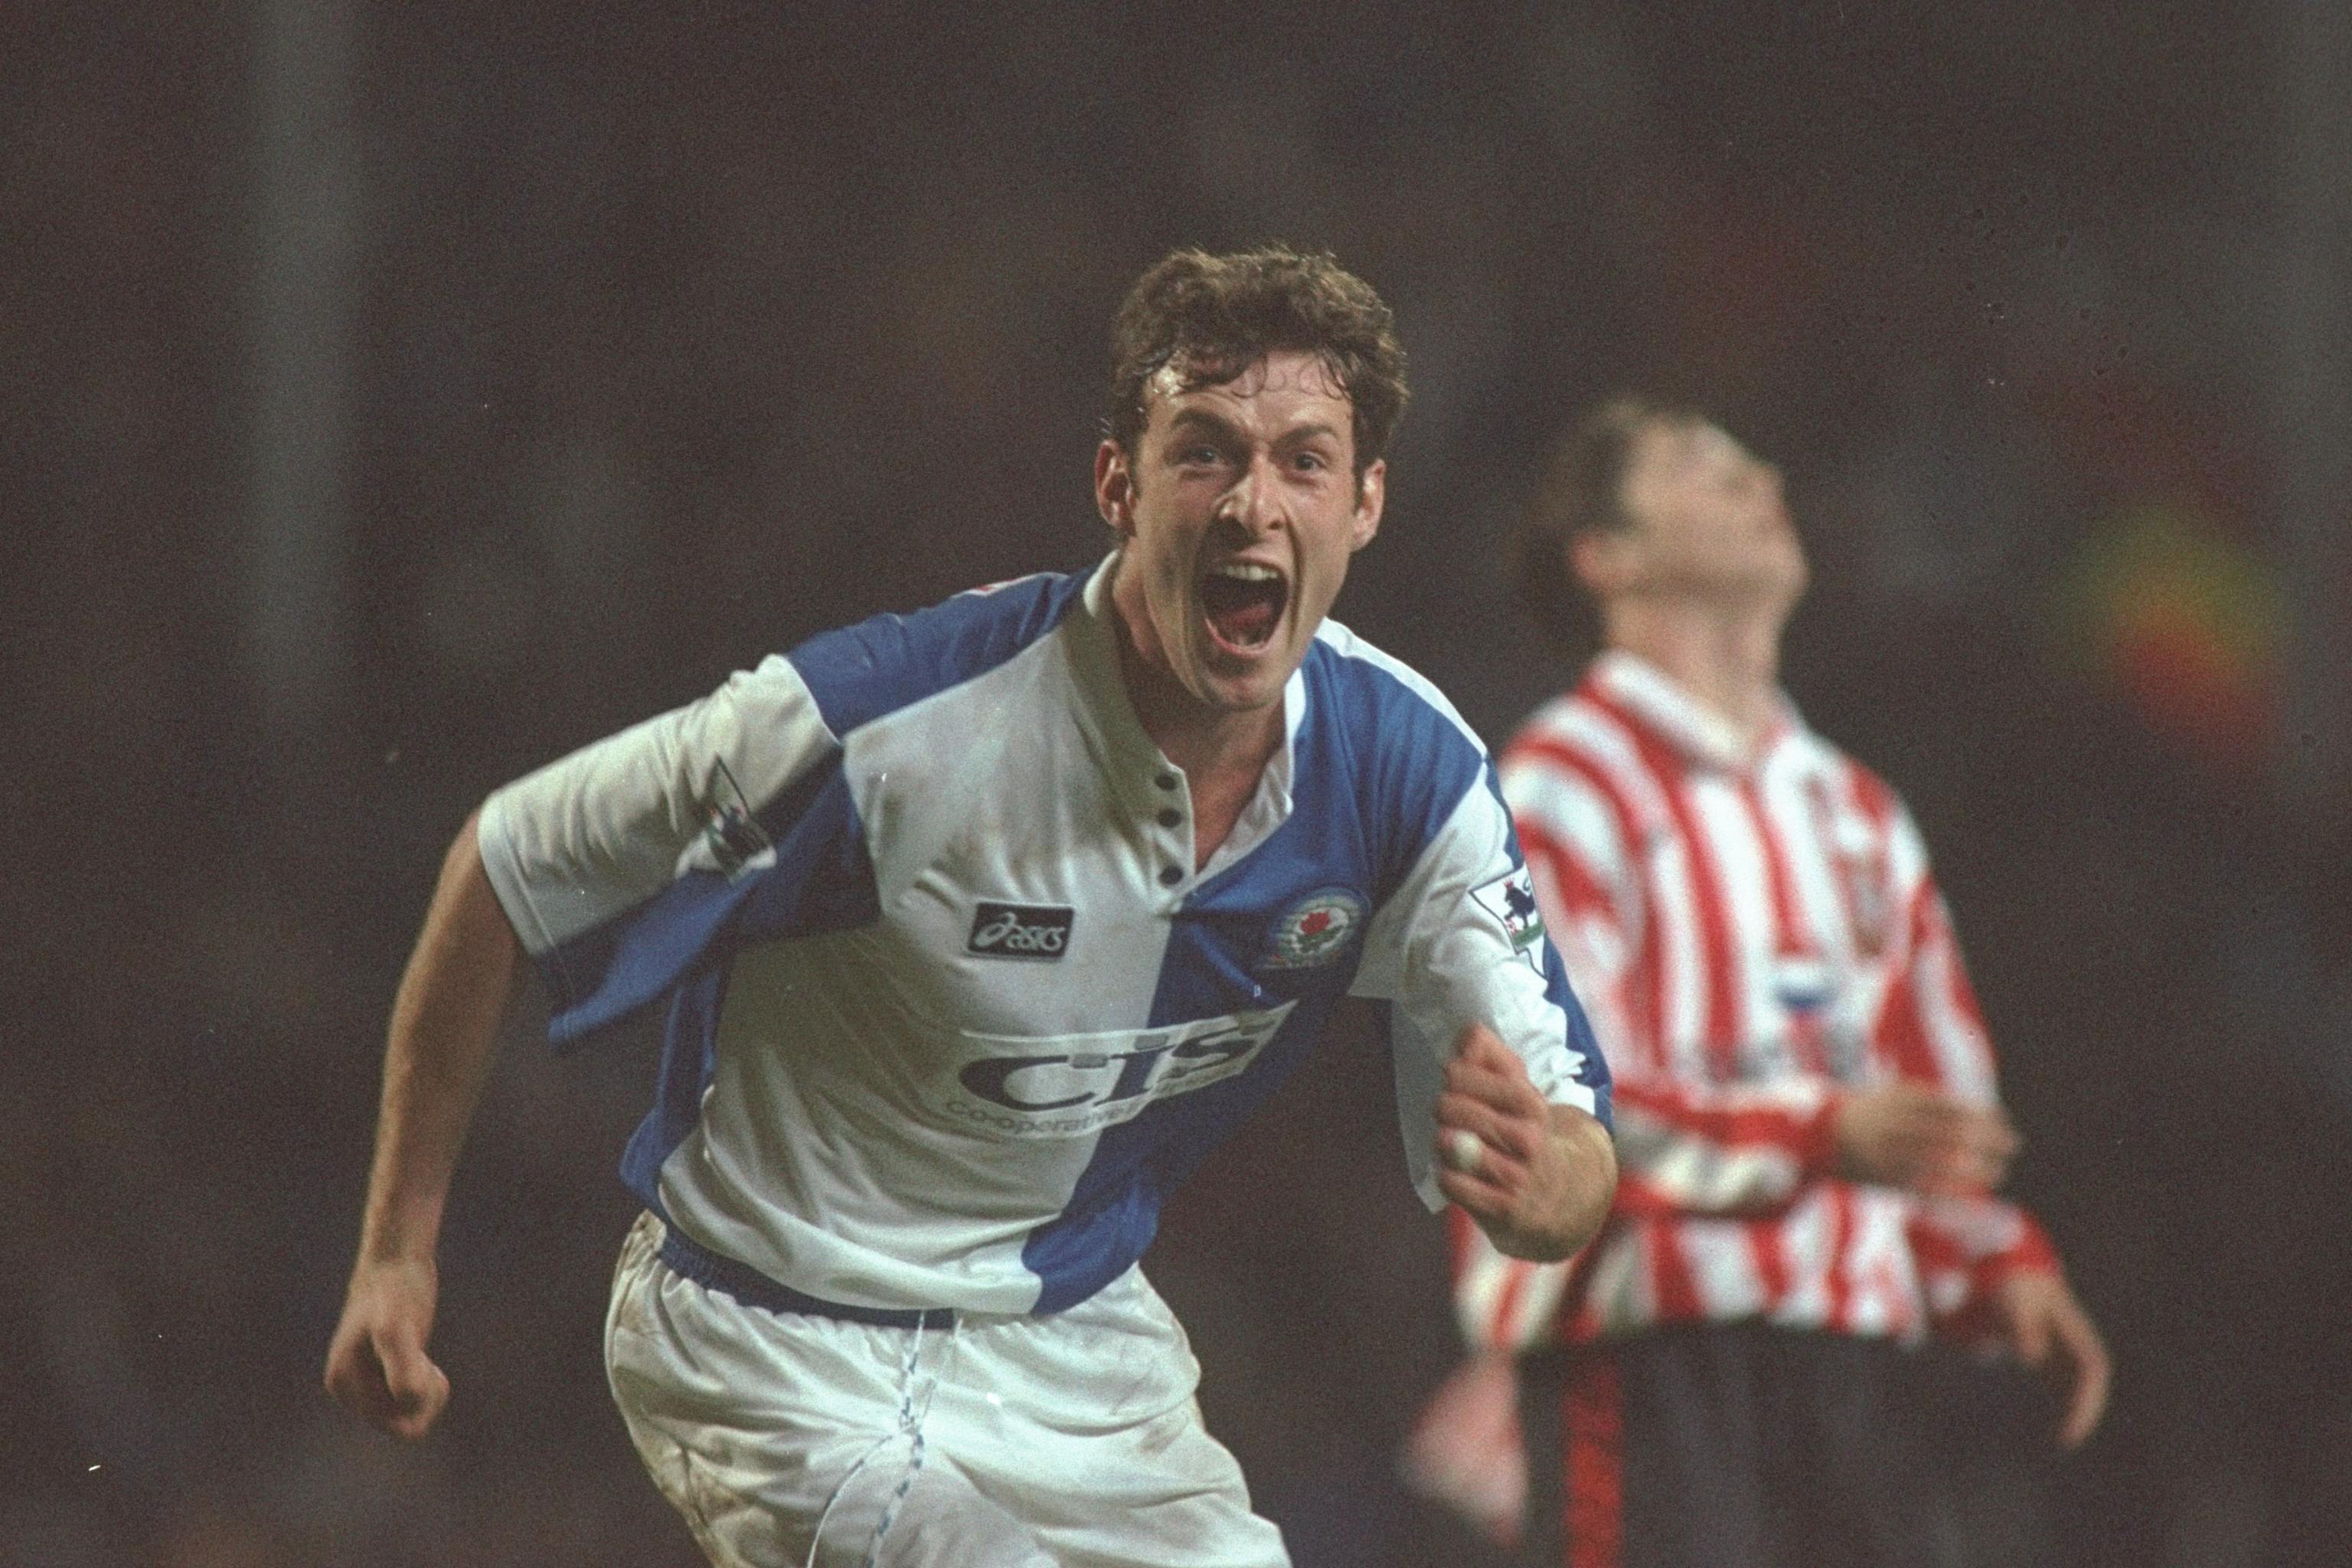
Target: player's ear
pixel 1115 487
pixel 1371 495
pixel 1596 558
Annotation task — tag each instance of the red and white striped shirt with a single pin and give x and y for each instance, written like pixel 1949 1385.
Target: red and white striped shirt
pixel 1749 928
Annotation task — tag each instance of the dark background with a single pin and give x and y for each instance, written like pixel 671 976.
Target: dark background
pixel 397 396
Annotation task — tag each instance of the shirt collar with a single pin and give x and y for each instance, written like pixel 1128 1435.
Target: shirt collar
pixel 1128 752
pixel 1105 711
pixel 1665 708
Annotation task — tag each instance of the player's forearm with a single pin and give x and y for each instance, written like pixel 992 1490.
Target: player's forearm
pixel 1593 1161
pixel 443 1033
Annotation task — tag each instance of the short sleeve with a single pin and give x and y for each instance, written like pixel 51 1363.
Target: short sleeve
pixel 637 847
pixel 1462 941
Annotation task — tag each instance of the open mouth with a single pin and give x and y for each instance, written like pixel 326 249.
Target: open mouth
pixel 1245 603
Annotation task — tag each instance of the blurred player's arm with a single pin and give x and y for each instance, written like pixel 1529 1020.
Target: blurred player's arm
pixel 1692 1145
pixel 1990 1273
pixel 1993 1280
pixel 443 1034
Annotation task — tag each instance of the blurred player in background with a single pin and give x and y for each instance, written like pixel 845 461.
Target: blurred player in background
pixel 977 929
pixel 1806 1117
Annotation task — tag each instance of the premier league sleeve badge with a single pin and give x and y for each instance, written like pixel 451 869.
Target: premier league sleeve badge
pixel 1511 901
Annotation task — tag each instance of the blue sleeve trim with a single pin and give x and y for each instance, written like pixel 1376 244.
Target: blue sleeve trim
pixel 822 879
pixel 860 673
pixel 1593 1068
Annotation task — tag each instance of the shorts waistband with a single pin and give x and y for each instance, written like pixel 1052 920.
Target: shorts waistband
pixel 692 1260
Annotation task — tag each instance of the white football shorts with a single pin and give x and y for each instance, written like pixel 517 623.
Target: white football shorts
pixel 787 1438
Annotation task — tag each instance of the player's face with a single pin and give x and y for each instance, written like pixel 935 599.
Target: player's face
pixel 1709 520
pixel 1238 512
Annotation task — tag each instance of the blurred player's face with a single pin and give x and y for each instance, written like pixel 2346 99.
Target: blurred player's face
pixel 1707 522
pixel 1238 512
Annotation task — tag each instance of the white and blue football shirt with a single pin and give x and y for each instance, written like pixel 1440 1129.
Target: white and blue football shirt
pixel 949 1009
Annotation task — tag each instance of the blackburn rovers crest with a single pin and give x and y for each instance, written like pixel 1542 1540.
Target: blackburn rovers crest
pixel 1316 929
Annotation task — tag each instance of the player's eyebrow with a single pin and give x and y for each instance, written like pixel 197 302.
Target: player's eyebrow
pixel 1210 424
pixel 1202 422
pixel 1301 434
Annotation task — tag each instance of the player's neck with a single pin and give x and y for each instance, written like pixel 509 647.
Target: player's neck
pixel 1727 659
pixel 1202 740
pixel 1219 748
pixel 1223 752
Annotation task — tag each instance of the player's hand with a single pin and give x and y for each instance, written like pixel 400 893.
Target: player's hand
pixel 1537 1177
pixel 2050 1332
pixel 1909 1135
pixel 376 1364
pixel 1466 1452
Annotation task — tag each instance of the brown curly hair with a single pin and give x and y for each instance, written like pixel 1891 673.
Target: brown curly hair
pixel 1212 317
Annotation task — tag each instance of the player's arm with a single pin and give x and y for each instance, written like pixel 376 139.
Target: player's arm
pixel 1517 1122
pixel 1991 1271
pixel 672 817
pixel 2049 1331
pixel 1690 1145
pixel 444 1032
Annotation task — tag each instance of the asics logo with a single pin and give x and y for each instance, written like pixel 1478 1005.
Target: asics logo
pixel 1020 931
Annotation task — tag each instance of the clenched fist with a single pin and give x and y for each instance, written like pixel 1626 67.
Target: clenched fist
pixel 1537 1177
pixel 376 1364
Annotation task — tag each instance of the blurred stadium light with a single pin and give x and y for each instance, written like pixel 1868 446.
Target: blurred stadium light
pixel 301 317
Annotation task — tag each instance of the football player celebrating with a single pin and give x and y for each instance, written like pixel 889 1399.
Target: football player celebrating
pixel 975 930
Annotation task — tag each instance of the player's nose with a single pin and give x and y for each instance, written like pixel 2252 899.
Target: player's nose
pixel 1254 503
